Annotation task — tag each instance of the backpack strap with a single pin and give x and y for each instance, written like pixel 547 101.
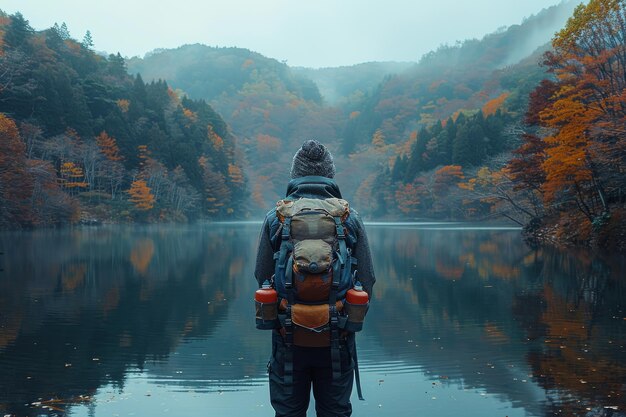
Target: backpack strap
pixel 285 265
pixel 338 271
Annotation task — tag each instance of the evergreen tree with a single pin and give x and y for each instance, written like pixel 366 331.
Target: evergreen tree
pixel 117 65
pixel 64 33
pixel 18 33
pixel 87 42
pixel 461 147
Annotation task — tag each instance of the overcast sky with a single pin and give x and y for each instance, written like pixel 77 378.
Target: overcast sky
pixel 313 33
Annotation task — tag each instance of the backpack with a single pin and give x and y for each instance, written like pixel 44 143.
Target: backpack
pixel 314 267
pixel 314 271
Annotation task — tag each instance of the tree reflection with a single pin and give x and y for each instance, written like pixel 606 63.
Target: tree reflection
pixel 541 329
pixel 98 302
pixel 577 317
pixel 487 311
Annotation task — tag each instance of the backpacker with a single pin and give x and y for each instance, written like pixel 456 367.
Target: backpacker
pixel 314 272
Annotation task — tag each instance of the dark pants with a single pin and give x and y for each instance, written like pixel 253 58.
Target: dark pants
pixel 311 366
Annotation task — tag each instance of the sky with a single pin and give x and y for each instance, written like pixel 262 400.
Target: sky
pixel 313 33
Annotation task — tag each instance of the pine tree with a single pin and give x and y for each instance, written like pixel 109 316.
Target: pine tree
pixel 18 33
pixel 87 42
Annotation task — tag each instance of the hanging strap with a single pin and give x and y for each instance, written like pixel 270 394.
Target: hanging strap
pixel 357 376
pixel 288 367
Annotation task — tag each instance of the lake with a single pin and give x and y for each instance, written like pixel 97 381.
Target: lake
pixel 159 321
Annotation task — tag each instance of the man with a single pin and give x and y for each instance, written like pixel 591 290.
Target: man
pixel 295 367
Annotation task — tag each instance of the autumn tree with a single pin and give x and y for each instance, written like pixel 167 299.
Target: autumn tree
pixel 112 171
pixel 583 115
pixel 408 198
pixel 15 182
pixel 141 195
pixel 445 181
pixel 216 190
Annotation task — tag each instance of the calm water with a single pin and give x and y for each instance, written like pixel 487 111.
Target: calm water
pixel 158 321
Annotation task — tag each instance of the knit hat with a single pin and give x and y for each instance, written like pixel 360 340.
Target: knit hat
pixel 312 159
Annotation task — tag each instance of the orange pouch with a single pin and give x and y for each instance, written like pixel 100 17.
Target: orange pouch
pixel 312 317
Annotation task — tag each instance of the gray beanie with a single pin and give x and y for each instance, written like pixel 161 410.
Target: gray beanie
pixel 312 159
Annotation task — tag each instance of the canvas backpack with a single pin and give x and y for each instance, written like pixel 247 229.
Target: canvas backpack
pixel 314 267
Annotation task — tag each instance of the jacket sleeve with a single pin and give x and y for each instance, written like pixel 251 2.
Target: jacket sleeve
pixel 265 255
pixel 363 255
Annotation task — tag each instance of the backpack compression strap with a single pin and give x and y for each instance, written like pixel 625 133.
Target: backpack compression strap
pixel 338 271
pixel 285 271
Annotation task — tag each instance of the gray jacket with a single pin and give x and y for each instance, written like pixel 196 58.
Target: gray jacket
pixel 315 187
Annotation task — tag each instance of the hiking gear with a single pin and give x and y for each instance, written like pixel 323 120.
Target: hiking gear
pixel 356 306
pixel 313 273
pixel 312 159
pixel 313 267
pixel 266 302
pixel 287 393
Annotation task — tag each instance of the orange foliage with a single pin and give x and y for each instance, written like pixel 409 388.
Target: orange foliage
pixel 191 117
pixel 585 113
pixel 235 174
pixel 123 104
pixel 108 146
pixel 408 198
pixel 172 95
pixel 493 105
pixel 141 195
pixel 216 140
pixel 446 176
pixel 15 182
pixel 72 176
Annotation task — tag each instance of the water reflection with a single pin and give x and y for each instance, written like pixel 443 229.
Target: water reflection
pixel 80 308
pixel 474 315
pixel 543 329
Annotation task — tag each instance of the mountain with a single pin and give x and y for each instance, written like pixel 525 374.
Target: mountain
pixel 269 107
pixel 453 78
pixel 272 107
pixel 341 85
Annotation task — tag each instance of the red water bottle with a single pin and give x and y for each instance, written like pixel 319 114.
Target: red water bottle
pixel 357 304
pixel 356 295
pixel 266 303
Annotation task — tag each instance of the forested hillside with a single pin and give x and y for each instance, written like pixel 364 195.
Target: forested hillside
pixel 270 109
pixel 522 124
pixel 273 108
pixel 456 78
pixel 84 140
pixel 549 155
